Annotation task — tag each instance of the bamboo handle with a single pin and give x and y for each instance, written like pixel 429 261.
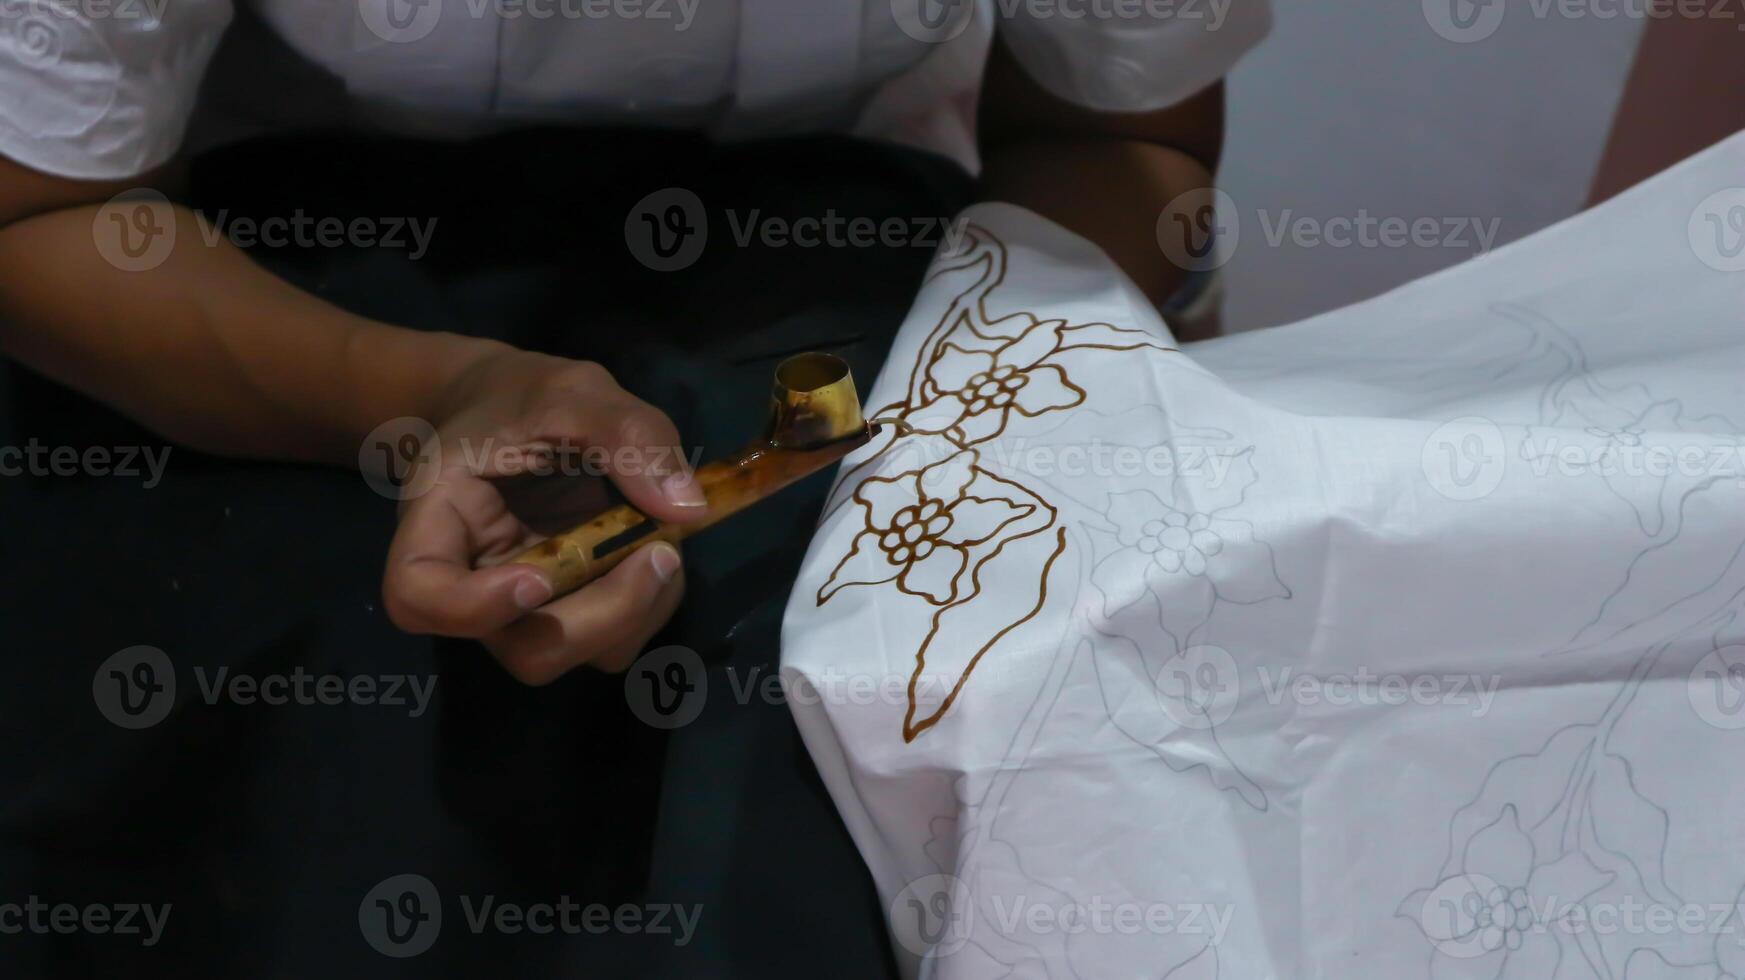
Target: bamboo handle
pixel 586 552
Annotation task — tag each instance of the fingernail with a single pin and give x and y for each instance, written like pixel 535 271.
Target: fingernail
pixel 666 560
pixel 682 490
pixel 532 592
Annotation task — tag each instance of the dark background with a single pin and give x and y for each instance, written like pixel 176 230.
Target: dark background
pixel 266 826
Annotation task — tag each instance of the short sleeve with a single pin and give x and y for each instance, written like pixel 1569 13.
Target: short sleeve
pixel 1131 55
pixel 102 89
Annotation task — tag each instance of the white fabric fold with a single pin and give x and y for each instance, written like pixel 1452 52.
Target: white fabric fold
pixel 103 91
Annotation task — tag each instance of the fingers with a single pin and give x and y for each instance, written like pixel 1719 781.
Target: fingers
pixel 647 461
pixel 431 586
pixel 540 407
pixel 605 624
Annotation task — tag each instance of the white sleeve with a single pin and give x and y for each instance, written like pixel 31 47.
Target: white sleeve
pixel 102 89
pixel 1130 55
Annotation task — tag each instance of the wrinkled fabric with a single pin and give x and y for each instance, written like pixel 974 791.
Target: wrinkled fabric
pixel 1401 642
pixel 93 97
pixel 107 88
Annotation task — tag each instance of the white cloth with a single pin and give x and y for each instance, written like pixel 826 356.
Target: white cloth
pixel 106 88
pixel 1401 642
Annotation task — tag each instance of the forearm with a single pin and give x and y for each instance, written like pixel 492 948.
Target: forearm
pixel 210 349
pixel 1107 175
pixel 1110 190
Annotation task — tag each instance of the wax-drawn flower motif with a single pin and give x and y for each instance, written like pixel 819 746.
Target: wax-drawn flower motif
pixel 947 529
pixel 1189 551
pixel 918 529
pixel 1500 913
pixel 973 393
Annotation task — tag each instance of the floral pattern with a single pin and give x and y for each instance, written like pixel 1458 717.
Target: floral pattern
pixel 1186 554
pixel 941 526
pixel 1577 803
pixel 976 392
pixel 1501 912
pixel 1551 836
pixel 919 529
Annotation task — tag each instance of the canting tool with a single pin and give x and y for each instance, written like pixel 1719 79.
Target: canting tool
pixel 815 420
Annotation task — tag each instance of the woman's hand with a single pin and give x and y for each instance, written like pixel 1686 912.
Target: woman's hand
pixel 210 350
pixel 501 422
pixel 193 339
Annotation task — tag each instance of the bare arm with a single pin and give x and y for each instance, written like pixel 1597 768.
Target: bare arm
pixel 1107 176
pixel 213 351
pixel 207 348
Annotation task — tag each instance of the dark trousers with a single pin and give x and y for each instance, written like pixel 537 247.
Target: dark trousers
pixel 265 826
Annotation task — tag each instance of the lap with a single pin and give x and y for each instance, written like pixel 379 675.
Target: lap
pixel 266 826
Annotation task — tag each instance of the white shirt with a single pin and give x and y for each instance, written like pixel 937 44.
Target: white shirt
pixel 110 88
